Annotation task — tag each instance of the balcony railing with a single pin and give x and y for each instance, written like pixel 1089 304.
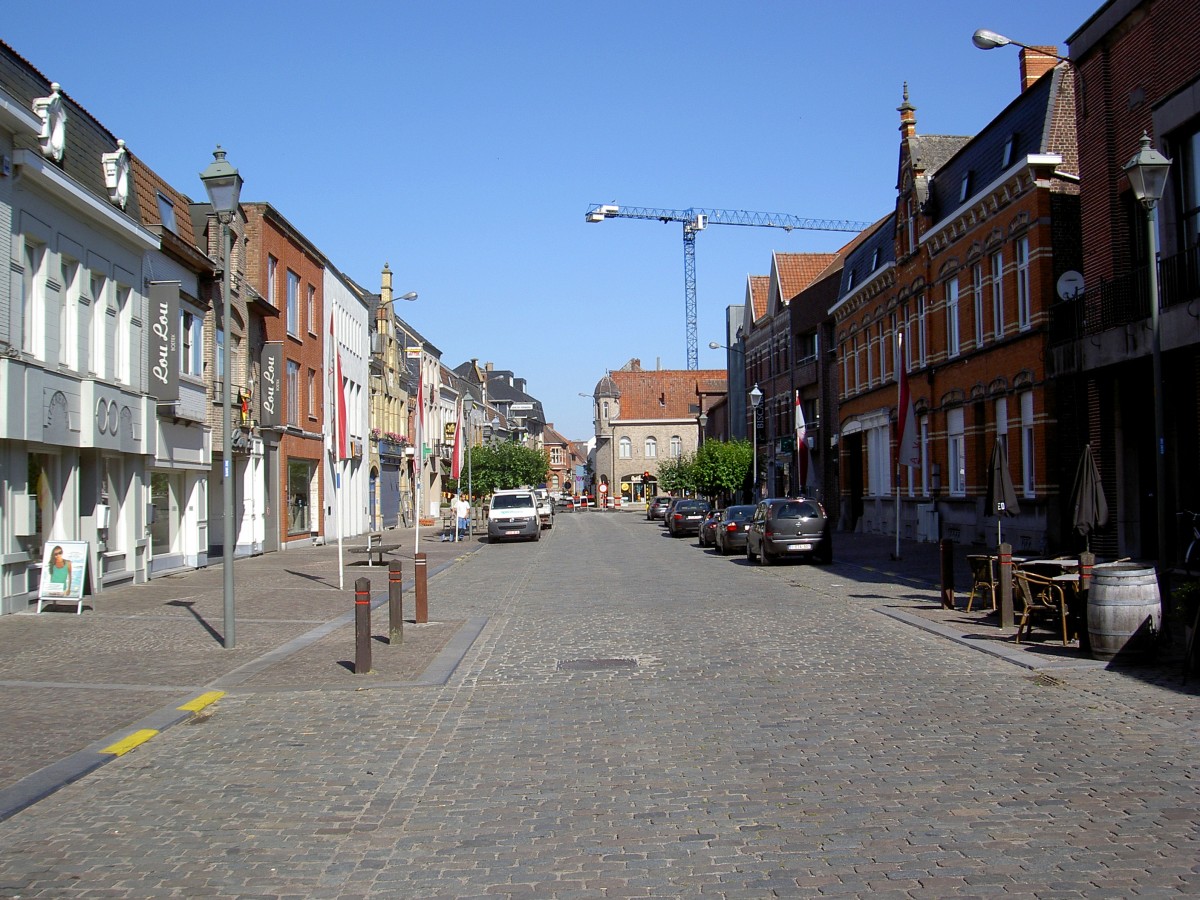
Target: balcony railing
pixel 1125 299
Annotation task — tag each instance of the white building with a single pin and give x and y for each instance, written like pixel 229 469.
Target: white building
pixel 346 507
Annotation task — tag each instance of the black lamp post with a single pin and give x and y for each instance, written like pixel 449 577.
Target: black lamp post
pixel 756 397
pixel 224 187
pixel 1147 173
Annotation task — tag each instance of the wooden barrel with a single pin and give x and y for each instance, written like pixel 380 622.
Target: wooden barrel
pixel 1124 611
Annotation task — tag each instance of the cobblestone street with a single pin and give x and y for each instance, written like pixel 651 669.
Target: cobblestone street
pixel 626 715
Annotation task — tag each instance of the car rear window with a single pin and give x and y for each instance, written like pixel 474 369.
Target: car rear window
pixel 803 509
pixel 739 513
pixel 691 506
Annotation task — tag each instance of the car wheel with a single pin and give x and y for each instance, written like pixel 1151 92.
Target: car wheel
pixel 749 553
pixel 723 547
pixel 764 557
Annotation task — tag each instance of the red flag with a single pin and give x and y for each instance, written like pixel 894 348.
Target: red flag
pixel 801 444
pixel 456 461
pixel 908 449
pixel 338 444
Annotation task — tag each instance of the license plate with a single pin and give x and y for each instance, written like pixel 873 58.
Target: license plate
pixel 512 532
pixel 799 547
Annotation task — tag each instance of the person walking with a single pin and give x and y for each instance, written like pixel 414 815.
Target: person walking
pixel 462 515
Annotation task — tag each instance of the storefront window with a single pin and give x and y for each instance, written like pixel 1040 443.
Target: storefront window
pixel 164 501
pixel 300 485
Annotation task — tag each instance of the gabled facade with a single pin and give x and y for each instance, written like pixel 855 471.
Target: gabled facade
pixel 390 450
pixel 78 426
pixel 983 229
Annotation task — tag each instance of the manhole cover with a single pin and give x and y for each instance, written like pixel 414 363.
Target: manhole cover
pixel 595 665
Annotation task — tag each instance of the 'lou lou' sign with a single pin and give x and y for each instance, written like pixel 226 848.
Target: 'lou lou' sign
pixel 162 361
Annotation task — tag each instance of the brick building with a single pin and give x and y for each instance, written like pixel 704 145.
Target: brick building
pixel 965 272
pixel 288 272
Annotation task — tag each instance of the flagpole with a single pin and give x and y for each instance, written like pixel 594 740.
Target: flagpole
pixel 900 432
pixel 337 521
pixel 419 457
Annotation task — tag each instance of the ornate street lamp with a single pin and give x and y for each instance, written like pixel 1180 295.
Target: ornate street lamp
pixel 224 187
pixel 1147 173
pixel 756 397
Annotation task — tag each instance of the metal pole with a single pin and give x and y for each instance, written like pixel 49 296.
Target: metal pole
pixel 1160 443
pixel 229 540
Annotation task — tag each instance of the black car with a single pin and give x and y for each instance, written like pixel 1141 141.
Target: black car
pixel 789 526
pixel 708 528
pixel 685 517
pixel 731 529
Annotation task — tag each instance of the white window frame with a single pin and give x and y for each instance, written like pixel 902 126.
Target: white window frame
pixel 869 352
pixel 923 426
pixel 293 303
pixel 625 448
pixel 191 343
pixel 1024 299
pixel 922 332
pixel 33 298
pixel 953 338
pixel 68 315
pixel 98 287
pixel 272 280
pixel 956 453
pixel 1028 468
pixel 312 310
pixel 293 391
pixel 977 290
pixel 879 460
pixel 651 448
pixel 997 264
pixel 676 446
pixel 123 334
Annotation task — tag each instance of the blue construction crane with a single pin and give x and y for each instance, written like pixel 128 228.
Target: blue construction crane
pixel 695 220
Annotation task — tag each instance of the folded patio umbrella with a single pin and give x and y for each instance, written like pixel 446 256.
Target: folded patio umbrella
pixel 1088 504
pixel 1001 499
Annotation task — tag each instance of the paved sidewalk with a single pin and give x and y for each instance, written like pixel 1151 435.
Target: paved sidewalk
pixel 73 687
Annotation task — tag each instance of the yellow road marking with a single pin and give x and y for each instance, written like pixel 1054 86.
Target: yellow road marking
pixel 122 747
pixel 202 701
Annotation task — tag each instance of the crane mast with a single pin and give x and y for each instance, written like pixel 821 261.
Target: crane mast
pixel 694 220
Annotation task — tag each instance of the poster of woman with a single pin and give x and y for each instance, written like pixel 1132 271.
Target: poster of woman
pixel 64 564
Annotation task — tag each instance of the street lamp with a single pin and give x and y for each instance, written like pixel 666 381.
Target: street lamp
pixel 224 187
pixel 1147 173
pixel 411 295
pixel 990 40
pixel 755 401
pixel 703 420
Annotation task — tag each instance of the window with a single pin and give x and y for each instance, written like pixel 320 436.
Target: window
pixel 977 292
pixel 166 214
pixel 923 425
pixel 312 310
pixel 33 300
pixel 191 334
pixel 1009 146
pixel 651 448
pixel 998 294
pixel 312 393
pixel 676 446
pixel 1002 423
pixel 556 456
pixel 953 345
pixel 1024 303
pixel 625 448
pixel 293 392
pixel 964 189
pixel 845 370
pixel 123 335
pixel 879 460
pixel 956 453
pixel 300 487
pixel 97 325
pixel 219 354
pixel 922 332
pixel 882 345
pixel 868 352
pixel 68 314
pixel 1188 153
pixel 894 333
pixel 272 266
pixel 293 303
pixel 1028 471
pixel 857 377
pixel 875 259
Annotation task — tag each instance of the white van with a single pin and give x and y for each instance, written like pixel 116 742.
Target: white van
pixel 545 507
pixel 513 516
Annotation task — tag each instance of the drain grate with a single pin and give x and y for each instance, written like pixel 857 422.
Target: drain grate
pixel 1044 680
pixel 595 665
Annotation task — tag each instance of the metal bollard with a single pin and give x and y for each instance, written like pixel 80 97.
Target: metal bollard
pixel 947 554
pixel 395 602
pixel 1007 619
pixel 362 626
pixel 421 616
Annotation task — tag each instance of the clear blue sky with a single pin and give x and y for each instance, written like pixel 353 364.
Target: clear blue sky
pixel 461 142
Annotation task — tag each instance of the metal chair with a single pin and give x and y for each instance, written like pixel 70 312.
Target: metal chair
pixel 1042 596
pixel 983 577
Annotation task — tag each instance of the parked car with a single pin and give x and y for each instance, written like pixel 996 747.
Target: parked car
pixel 685 517
pixel 731 529
pixel 789 526
pixel 545 507
pixel 708 529
pixel 671 501
pixel 513 515
pixel 657 507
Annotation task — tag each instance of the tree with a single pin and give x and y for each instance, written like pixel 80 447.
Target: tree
pixel 675 475
pixel 719 468
pixel 496 467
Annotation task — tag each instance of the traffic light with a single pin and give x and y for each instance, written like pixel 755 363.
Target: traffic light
pixel 645 476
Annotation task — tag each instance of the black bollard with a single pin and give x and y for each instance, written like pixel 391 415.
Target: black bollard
pixel 362 626
pixel 947 557
pixel 395 602
pixel 420 575
pixel 1007 618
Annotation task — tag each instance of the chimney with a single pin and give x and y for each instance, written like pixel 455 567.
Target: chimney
pixel 487 367
pixel 519 384
pixel 908 116
pixel 1036 62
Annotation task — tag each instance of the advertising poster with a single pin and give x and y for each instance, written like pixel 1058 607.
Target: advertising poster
pixel 64 565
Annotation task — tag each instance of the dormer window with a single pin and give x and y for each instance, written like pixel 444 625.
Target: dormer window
pixel 1010 147
pixel 166 214
pixel 964 190
pixel 875 259
pixel 850 279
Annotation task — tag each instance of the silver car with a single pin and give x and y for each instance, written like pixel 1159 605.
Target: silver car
pixel 789 527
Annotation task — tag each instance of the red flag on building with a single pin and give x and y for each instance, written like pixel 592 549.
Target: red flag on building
pixel 801 444
pixel 337 395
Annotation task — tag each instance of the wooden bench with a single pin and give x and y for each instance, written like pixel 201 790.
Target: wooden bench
pixel 375 547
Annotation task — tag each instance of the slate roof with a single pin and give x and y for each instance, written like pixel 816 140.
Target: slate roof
pixel 665 393
pixel 878 246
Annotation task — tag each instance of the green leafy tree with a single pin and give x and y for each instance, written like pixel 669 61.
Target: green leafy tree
pixel 675 476
pixel 719 468
pixel 497 467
